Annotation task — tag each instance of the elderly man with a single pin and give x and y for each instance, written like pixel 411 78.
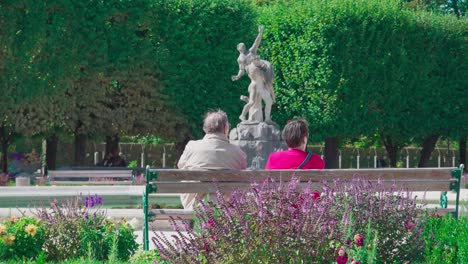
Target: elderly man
pixel 213 152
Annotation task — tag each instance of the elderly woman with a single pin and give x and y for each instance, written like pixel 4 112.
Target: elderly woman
pixel 295 133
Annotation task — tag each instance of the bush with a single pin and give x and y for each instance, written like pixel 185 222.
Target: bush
pixel 79 228
pixel 446 239
pixel 284 223
pixel 143 257
pixel 21 238
pixel 63 224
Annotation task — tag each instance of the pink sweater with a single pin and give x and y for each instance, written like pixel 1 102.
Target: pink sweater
pixel 291 159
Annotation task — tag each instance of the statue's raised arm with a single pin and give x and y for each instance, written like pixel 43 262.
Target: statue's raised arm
pixel 254 47
pixel 245 57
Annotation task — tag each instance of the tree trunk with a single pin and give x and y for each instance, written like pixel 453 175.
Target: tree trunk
pixel 80 149
pixel 455 7
pixel 331 153
pixel 391 149
pixel 427 149
pixel 51 152
pixel 180 145
pixel 4 156
pixel 112 144
pixel 462 151
pixel 4 139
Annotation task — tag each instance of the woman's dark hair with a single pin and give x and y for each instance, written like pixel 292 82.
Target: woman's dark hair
pixel 294 132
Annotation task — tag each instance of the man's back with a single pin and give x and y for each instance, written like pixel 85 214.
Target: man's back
pixel 213 152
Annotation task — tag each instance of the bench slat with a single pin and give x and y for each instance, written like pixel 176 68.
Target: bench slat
pixel 90 174
pixel 305 175
pixel 165 214
pixel 91 182
pixel 209 187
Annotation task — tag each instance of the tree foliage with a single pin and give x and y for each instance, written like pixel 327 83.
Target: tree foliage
pixel 197 41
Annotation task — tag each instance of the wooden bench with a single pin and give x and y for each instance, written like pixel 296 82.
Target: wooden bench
pixel 91 176
pixel 171 181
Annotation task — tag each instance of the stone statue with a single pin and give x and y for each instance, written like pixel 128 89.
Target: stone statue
pixel 261 77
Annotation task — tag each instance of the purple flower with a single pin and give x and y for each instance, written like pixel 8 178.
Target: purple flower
pixel 86 216
pixel 91 201
pixel 98 199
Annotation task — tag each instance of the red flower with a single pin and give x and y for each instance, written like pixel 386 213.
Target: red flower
pixel 359 240
pixel 316 195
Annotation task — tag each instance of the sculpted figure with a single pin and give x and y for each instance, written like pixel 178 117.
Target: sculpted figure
pixel 261 77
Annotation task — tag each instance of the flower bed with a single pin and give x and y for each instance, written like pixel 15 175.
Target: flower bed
pixel 68 230
pixel 355 222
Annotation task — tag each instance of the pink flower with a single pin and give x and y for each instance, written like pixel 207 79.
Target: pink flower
pixel 355 262
pixel 359 240
pixel 206 247
pixel 409 225
pixel 210 223
pixel 341 252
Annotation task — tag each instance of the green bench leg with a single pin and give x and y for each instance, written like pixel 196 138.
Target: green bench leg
pixel 149 175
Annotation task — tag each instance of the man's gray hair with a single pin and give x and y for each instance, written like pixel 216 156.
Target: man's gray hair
pixel 215 122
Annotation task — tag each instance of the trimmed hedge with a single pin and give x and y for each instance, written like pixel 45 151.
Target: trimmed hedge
pixel 197 40
pixel 361 67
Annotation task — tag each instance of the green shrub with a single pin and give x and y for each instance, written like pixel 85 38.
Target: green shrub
pixel 21 238
pixel 143 257
pixel 446 239
pixel 79 228
pixel 62 224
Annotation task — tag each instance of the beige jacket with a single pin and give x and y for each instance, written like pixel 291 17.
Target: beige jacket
pixel 213 152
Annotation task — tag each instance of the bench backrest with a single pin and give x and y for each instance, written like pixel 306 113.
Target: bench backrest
pixel 91 176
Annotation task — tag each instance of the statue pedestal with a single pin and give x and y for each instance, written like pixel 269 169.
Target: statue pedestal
pixel 23 181
pixel 257 140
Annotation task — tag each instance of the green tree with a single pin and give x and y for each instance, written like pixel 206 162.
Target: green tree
pixel 29 59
